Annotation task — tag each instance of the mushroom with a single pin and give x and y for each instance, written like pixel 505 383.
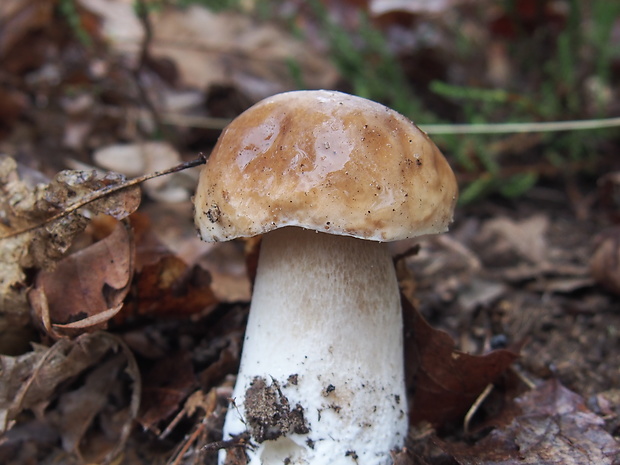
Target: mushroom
pixel 328 178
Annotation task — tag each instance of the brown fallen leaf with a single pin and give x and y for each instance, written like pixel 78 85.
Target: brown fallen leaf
pixel 607 405
pixel 86 289
pixel 69 186
pixel 46 218
pixel 225 47
pixel 518 240
pixel 14 310
pixel 443 381
pixel 67 388
pixel 27 241
pixel 166 387
pixel 171 288
pixel 605 261
pixel 77 409
pixel 552 427
pixel 18 21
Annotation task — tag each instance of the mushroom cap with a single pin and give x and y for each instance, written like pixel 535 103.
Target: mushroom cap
pixel 326 161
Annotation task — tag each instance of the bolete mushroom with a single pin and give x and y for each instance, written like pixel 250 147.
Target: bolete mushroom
pixel 328 178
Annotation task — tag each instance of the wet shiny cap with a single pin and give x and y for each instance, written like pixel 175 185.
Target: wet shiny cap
pixel 325 161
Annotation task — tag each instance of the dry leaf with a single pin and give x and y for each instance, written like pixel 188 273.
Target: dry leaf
pixel 25 206
pixel 213 48
pixel 17 21
pixel 69 186
pixel 66 389
pixel 607 405
pixel 605 261
pixel 32 381
pixel 444 381
pixel 87 288
pixel 14 310
pixel 552 427
pixel 525 238
pixel 28 241
pixel 77 409
pixel 170 288
pixel 166 386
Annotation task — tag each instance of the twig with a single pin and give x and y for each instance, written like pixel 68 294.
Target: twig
pixel 193 438
pixel 475 406
pixel 108 190
pixel 492 128
pixel 523 378
pixel 499 128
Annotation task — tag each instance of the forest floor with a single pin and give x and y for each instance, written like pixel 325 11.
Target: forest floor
pixel 121 331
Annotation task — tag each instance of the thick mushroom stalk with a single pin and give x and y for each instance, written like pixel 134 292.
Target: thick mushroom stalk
pixel 321 380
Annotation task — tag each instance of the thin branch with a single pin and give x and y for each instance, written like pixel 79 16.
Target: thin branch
pixel 108 190
pixel 491 128
pixel 500 128
pixel 475 407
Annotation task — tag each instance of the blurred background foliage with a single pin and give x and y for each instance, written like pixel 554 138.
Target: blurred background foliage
pixel 466 62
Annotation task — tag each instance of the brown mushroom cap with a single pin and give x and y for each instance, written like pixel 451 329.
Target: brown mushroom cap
pixel 325 161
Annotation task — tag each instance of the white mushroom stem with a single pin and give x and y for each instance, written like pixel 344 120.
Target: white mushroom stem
pixel 325 332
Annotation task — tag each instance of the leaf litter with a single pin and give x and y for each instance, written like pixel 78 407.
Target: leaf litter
pixel 87 288
pixel 518 308
pixel 29 239
pixel 88 369
pixel 445 382
pixel 547 425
